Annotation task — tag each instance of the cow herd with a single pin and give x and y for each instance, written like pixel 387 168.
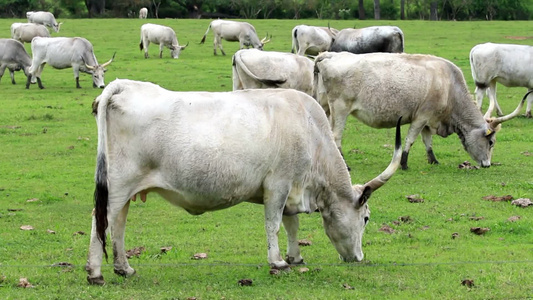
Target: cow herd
pixel 247 149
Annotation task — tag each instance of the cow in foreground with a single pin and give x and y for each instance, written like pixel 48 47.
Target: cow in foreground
pixel 312 39
pixel 208 151
pixel 429 92
pixel 233 31
pixel 61 53
pixel 161 35
pixel 14 57
pixel 254 69
pixel 43 18
pixel 143 13
pixel 25 32
pixel 369 39
pixel 507 64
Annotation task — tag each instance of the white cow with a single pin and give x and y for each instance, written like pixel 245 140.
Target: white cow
pixel 61 53
pixel 369 39
pixel 312 39
pixel 13 57
pixel 44 18
pixel 254 69
pixel 161 35
pixel 233 31
pixel 429 92
pixel 143 13
pixel 507 64
pixel 25 32
pixel 208 151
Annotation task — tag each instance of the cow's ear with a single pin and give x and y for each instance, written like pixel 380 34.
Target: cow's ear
pixel 367 191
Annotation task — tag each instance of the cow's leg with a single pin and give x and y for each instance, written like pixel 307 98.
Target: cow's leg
pixel 480 93
pixel 76 71
pixel 122 267
pixel 161 47
pixel 274 199
pixel 94 260
pixel 529 102
pixel 38 76
pixel 12 74
pixel 339 112
pixel 492 97
pixel 291 224
pixel 428 141
pixel 412 133
pixel 146 43
pixel 2 70
pixel 218 42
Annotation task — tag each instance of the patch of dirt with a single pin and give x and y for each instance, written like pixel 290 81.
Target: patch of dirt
pixel 518 38
pixel 245 282
pixel 387 229
pixel 467 165
pixel 200 256
pixel 468 282
pixel 513 218
pixel 135 252
pixel 479 230
pixel 522 202
pixel 498 198
pixel 305 242
pixel 415 198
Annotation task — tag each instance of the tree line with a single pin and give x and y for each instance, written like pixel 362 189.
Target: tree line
pixel 279 9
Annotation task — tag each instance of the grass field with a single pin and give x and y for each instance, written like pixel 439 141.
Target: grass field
pixel 48 147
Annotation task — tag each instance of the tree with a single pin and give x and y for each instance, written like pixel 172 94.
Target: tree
pixel 361 10
pixel 377 12
pixel 402 9
pixel 95 7
pixel 194 7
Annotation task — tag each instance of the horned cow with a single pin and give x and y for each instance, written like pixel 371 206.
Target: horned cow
pixel 44 18
pixel 253 68
pixel 429 92
pixel 507 64
pixel 312 39
pixel 233 31
pixel 163 36
pixel 13 56
pixel 369 39
pixel 25 32
pixel 208 151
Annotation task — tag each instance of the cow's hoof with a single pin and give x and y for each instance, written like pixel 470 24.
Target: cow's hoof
pixel 294 260
pixel 125 273
pixel 96 280
pixel 280 265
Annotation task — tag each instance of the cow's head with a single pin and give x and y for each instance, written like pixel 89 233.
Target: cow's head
pixel 175 50
pixel 98 73
pixel 56 26
pixel 479 142
pixel 346 216
pixel 263 41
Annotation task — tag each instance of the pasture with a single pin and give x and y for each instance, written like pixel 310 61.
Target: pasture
pixel 47 159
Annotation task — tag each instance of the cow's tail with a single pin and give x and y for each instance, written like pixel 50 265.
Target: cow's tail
pixel 238 63
pixel 295 45
pixel 141 46
pixel 320 92
pixel 101 192
pixel 205 34
pixel 479 83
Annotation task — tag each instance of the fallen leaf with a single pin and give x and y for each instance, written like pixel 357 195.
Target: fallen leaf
pixel 498 198
pixel 200 256
pixel 387 229
pixel 245 282
pixel 274 271
pixel 526 153
pixel 79 233
pixel 165 249
pixel 479 230
pixel 455 235
pixel 347 286
pixel 303 270
pixel 513 218
pixel 467 165
pixel 14 209
pixel 137 251
pixel 32 200
pixel 50 231
pixel 71 147
pixel 522 202
pixel 305 243
pixel 473 218
pixel 468 282
pixel 23 282
pixel 415 198
pixel 405 219
pixel 26 227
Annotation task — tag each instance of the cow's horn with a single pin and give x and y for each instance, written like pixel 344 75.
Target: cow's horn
pixel 496 121
pixel 331 32
pixel 382 178
pixel 183 47
pixel 111 60
pixel 89 67
pixel 264 40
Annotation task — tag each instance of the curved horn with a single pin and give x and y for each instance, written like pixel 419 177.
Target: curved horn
pixel 183 47
pixel 111 60
pixel 89 67
pixel 333 34
pixel 382 178
pixel 496 121
pixel 264 40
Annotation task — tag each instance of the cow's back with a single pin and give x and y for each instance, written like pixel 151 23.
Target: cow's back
pixel 13 51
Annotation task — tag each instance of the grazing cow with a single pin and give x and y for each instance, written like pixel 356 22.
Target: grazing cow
pixel 312 39
pixel 507 64
pixel 369 39
pixel 233 31
pixel 209 151
pixel 62 53
pixel 253 69
pixel 43 18
pixel 162 36
pixel 14 57
pixel 143 13
pixel 25 32
pixel 429 92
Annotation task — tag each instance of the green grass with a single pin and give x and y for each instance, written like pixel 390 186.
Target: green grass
pixel 48 145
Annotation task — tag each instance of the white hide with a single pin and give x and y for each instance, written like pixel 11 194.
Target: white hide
pixel 312 39
pixel 163 36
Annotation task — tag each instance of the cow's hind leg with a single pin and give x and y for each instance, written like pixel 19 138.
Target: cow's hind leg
pixel 161 47
pixel 291 224
pixel 122 267
pixel 492 97
pixel 428 141
pixel 275 199
pixel 412 133
pixel 529 103
pixel 12 74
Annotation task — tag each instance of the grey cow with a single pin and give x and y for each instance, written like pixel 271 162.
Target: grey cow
pixel 14 57
pixel 44 18
pixel 25 32
pixel 429 92
pixel 369 39
pixel 233 31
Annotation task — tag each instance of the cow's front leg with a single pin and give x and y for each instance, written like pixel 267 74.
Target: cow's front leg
pixel 94 259
pixel 428 142
pixel 414 130
pixel 274 204
pixel 291 224
pixel 529 103
pixel 161 47
pixel 122 266
pixel 12 74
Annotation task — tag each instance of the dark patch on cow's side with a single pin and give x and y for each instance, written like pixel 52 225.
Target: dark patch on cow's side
pixel 481 85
